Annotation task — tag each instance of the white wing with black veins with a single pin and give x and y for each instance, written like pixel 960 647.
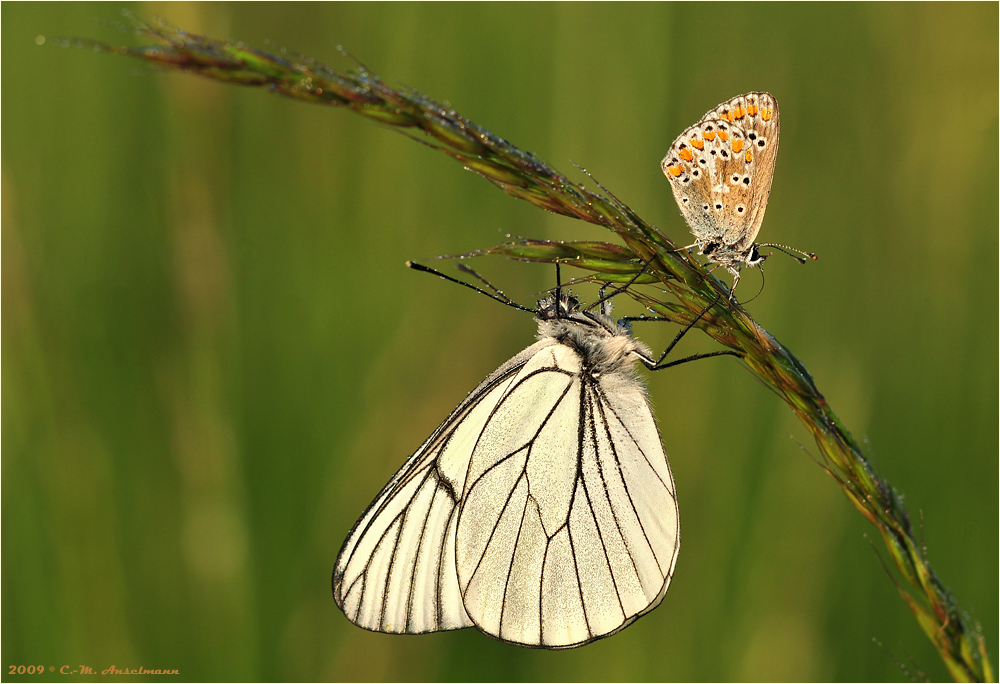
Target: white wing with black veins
pixel 568 530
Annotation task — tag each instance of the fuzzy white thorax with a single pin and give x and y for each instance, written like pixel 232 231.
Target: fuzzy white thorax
pixel 604 345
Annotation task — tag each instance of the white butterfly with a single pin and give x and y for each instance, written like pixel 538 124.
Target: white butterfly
pixel 542 511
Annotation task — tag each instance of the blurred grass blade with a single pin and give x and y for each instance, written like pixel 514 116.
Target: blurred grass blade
pixel 521 175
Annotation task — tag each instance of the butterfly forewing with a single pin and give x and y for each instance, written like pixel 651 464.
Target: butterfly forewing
pixel 396 570
pixel 720 169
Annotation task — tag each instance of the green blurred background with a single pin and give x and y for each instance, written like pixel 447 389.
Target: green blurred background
pixel 213 356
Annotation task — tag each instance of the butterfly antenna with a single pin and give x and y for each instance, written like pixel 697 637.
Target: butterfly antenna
pixel 788 250
pixel 501 297
pixel 466 269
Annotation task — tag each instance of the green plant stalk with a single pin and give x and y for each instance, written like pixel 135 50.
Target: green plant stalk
pixel 522 175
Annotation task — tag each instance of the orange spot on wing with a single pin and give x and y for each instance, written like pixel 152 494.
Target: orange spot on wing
pixel 697 144
pixel 737 145
pixel 685 154
pixel 739 112
pixel 708 135
pixel 676 170
pixel 765 114
pixel 723 136
pixel 752 109
pixel 749 156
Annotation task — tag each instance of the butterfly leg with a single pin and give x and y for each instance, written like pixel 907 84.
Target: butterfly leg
pixel 684 249
pixel 659 365
pixel 736 281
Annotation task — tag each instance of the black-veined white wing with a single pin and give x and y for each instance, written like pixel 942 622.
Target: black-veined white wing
pixel 568 530
pixel 396 570
pixel 542 510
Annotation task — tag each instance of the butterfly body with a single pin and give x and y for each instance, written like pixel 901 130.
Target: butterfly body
pixel 541 511
pixel 720 171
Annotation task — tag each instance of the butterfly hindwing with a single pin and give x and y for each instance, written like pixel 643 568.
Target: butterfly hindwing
pixel 721 168
pixel 554 546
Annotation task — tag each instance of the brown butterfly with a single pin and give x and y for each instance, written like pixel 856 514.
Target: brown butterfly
pixel 720 170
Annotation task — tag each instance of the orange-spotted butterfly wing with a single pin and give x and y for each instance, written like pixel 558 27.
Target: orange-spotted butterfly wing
pixel 720 170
